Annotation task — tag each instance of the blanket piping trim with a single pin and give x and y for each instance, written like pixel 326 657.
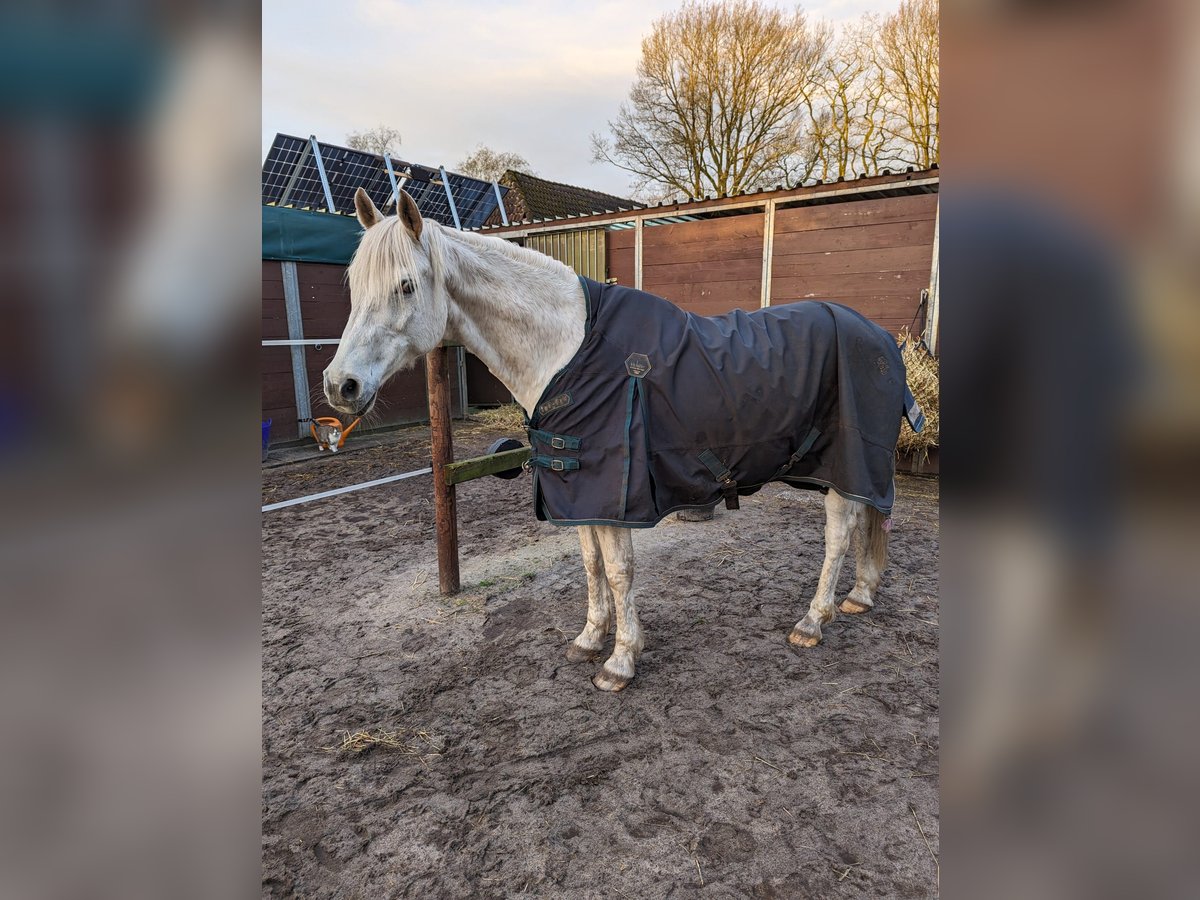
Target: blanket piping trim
pixel 633 382
pixel 791 481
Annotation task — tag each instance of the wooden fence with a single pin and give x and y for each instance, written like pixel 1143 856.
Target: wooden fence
pixel 869 244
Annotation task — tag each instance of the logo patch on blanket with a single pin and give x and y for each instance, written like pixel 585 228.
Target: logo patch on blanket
pixel 560 402
pixel 637 365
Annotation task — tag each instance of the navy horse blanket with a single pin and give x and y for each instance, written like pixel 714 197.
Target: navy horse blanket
pixel 661 410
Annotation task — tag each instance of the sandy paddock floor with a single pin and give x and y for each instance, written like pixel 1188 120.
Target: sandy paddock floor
pixel 730 767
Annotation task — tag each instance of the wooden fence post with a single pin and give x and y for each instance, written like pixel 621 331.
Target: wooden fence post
pixel 437 376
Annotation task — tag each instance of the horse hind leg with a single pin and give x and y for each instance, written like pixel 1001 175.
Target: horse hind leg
pixel 590 642
pixel 840 518
pixel 871 558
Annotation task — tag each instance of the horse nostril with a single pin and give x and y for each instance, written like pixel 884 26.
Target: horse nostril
pixel 349 389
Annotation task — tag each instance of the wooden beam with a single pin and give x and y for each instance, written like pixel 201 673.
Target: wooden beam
pixel 637 254
pixel 479 466
pixel 768 251
pixel 933 311
pixel 295 326
pixel 437 376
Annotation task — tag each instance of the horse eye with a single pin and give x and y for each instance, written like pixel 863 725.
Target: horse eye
pixel 406 287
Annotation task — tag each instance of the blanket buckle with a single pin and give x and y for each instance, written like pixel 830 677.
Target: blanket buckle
pixel 723 474
pixel 729 490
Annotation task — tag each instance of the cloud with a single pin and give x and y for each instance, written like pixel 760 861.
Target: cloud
pixel 535 76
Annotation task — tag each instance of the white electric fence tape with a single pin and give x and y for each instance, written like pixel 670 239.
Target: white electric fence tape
pixel 345 490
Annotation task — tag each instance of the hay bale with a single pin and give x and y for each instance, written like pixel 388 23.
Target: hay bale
pixel 921 367
pixel 509 417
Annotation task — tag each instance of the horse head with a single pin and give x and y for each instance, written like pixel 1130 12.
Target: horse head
pixel 398 304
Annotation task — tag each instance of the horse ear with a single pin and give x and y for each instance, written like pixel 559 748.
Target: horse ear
pixel 368 215
pixel 410 215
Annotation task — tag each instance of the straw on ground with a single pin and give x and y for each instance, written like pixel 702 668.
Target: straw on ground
pixel 414 743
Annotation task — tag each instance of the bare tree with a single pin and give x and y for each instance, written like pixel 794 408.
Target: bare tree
pixel 379 140
pixel 847 113
pixel 489 164
pixel 717 106
pixel 908 47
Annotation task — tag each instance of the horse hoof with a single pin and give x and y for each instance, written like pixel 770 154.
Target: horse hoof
pixel 800 638
pixel 852 607
pixel 605 680
pixel 577 654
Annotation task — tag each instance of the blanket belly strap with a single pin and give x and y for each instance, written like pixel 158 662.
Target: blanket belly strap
pixel 801 452
pixel 721 472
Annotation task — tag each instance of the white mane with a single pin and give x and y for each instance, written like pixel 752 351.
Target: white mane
pixel 385 251
pixel 387 248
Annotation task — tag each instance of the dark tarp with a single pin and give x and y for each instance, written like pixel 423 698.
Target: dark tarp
pixel 660 409
pixel 304 236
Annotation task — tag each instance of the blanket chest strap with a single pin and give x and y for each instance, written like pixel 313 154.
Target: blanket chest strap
pixel 555 463
pixel 557 441
pixel 721 472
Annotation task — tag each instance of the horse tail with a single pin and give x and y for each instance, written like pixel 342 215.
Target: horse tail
pixel 875 539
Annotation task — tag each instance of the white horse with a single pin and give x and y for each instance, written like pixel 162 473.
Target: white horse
pixel 414 283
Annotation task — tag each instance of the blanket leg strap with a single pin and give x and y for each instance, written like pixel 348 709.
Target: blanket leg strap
pixel 721 472
pixel 801 452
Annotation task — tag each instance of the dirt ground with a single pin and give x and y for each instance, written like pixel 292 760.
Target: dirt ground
pixel 731 766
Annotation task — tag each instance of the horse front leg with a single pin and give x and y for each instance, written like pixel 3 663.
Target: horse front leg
pixel 590 642
pixel 616 546
pixel 841 515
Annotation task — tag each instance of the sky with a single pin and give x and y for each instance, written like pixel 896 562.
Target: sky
pixel 535 77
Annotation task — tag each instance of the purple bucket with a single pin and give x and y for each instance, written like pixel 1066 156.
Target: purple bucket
pixel 266 423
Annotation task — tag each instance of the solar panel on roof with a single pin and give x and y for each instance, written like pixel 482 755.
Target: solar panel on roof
pixel 290 178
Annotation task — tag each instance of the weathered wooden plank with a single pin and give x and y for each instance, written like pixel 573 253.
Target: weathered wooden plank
pixel 479 466
pixel 620 240
pixel 856 213
pixel 712 298
pixel 834 287
pixel 620 264
pixel 917 232
pixel 705 272
pixel 737 248
pixel 321 273
pixel 853 262
pixel 707 230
